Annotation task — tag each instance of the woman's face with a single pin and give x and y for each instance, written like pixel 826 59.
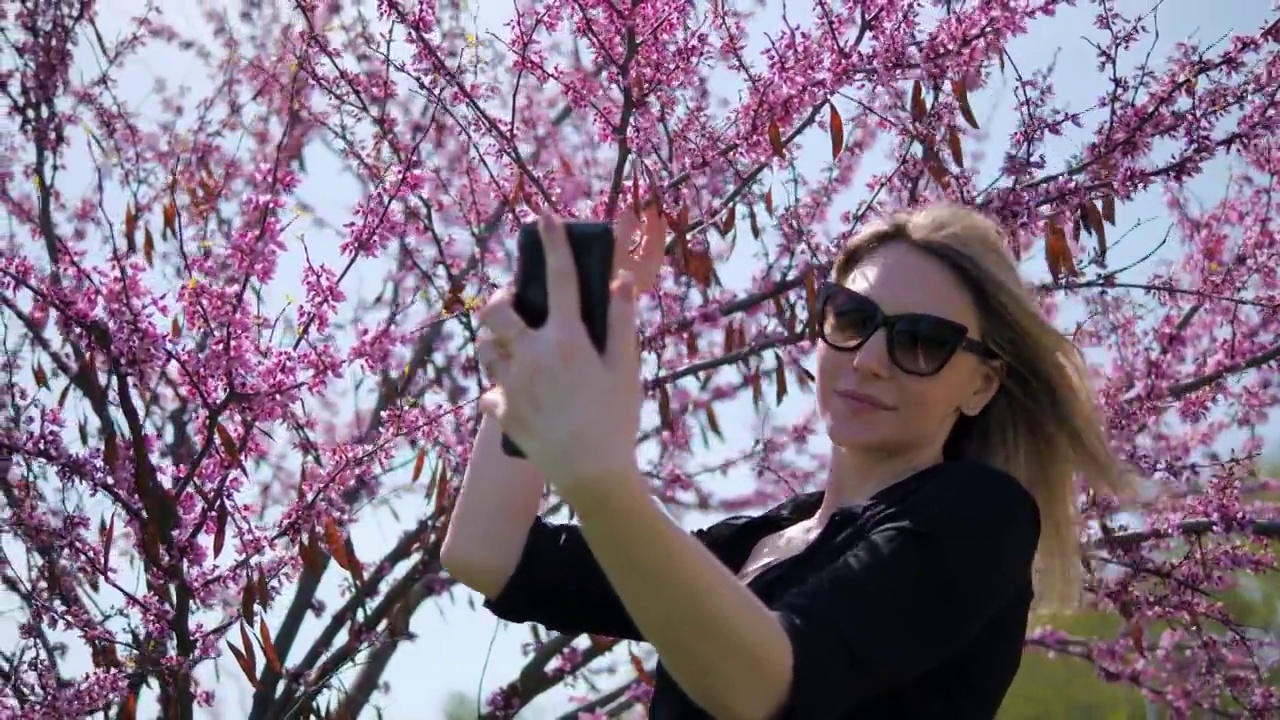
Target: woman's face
pixel 869 405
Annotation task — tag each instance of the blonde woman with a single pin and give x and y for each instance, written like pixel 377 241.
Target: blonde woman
pixel 959 420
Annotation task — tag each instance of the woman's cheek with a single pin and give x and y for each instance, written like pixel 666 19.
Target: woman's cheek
pixel 827 367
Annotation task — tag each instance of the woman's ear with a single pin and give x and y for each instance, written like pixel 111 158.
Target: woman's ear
pixel 990 375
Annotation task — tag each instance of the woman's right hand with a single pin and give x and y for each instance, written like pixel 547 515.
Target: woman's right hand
pixel 500 495
pixel 643 257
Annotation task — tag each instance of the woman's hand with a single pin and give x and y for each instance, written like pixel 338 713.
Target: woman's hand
pixel 574 412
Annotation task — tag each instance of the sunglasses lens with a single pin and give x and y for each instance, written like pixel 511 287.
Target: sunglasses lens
pixel 848 319
pixel 923 345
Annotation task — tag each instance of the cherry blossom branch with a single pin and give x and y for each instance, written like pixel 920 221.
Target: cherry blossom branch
pixel 609 700
pixel 1269 529
pixel 1183 389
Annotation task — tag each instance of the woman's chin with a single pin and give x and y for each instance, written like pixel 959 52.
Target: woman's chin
pixel 859 439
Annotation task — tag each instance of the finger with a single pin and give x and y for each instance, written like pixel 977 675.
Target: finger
pixel 624 235
pixel 493 360
pixel 624 231
pixel 653 246
pixel 499 316
pixel 502 345
pixel 623 345
pixel 562 277
pixel 493 403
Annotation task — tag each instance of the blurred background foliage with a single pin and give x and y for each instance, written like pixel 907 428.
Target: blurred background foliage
pixel 1064 688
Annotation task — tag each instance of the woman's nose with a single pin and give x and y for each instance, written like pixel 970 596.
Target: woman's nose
pixel 873 357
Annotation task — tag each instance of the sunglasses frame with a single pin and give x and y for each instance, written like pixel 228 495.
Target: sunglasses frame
pixel 827 290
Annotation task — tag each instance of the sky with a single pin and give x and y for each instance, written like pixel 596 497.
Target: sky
pixel 464 648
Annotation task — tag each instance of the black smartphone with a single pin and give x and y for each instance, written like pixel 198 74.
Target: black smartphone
pixel 592 245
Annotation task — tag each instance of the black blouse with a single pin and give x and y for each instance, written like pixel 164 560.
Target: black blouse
pixel 911 606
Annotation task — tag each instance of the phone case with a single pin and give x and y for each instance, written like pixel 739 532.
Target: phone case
pixel 592 246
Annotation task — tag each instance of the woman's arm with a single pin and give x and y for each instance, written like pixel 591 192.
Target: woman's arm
pixel 498 502
pixel 724 647
pixel 501 495
pixel 528 570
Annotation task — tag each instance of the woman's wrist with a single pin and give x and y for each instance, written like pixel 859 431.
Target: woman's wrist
pixel 622 485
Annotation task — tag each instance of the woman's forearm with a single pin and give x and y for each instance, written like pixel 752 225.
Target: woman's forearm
pixel 722 645
pixel 499 499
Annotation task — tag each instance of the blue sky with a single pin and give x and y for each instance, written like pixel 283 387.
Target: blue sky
pixel 455 639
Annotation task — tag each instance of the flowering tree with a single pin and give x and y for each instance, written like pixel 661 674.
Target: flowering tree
pixel 213 378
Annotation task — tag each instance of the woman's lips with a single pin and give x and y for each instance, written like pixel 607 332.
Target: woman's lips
pixel 864 400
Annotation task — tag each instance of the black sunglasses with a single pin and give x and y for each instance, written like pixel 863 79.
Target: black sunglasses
pixel 918 344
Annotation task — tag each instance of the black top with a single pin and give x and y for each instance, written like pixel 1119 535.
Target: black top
pixel 912 605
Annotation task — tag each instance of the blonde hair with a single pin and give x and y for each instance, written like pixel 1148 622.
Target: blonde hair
pixel 1042 426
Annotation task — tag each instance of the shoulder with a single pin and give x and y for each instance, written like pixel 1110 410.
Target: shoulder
pixel 738 533
pixel 976 482
pixel 723 531
pixel 973 497
pixel 785 512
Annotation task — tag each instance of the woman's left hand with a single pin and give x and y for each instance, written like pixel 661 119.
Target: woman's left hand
pixel 574 412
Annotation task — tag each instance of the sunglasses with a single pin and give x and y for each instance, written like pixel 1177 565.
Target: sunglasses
pixel 918 344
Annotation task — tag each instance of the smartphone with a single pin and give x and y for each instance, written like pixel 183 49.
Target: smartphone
pixel 592 246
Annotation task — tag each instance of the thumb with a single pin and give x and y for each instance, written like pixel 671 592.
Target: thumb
pixel 493 403
pixel 622 320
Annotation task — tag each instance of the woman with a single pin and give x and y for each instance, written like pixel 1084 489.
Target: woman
pixel 958 419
